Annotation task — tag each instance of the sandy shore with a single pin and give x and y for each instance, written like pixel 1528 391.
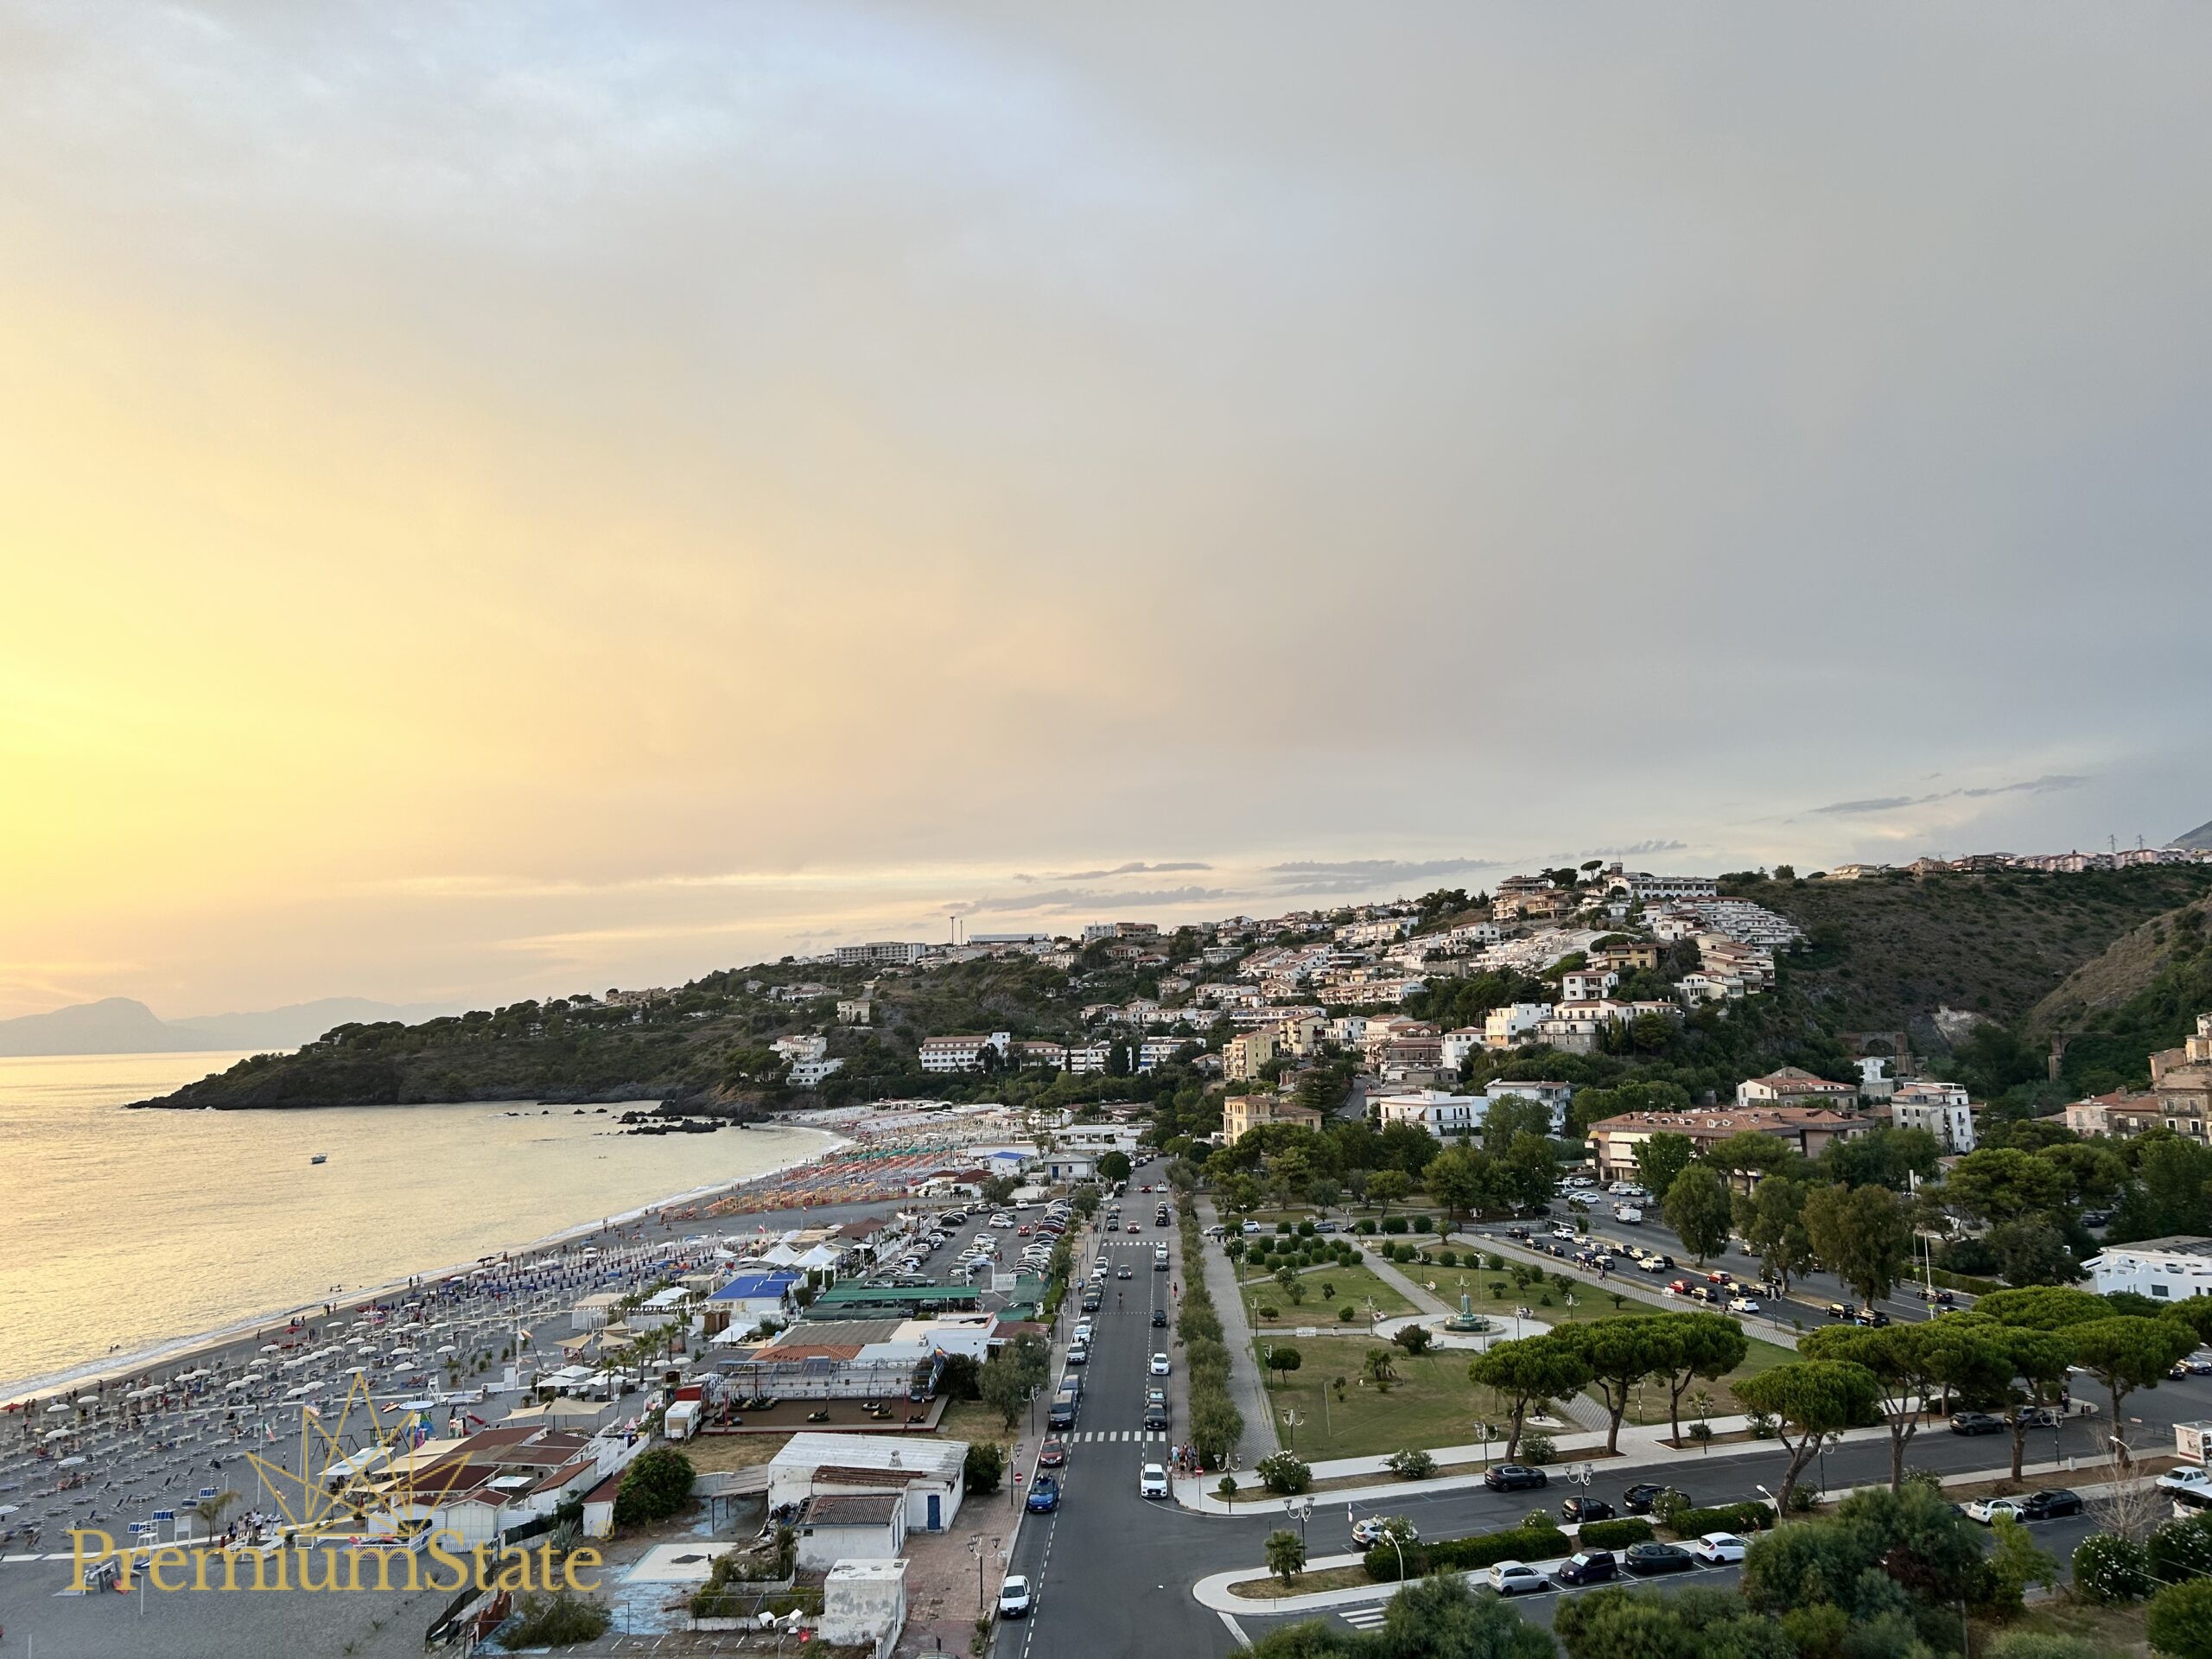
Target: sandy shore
pixel 665 1218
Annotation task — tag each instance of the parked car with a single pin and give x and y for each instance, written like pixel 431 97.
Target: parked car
pixel 1370 1529
pixel 1644 1559
pixel 2096 1218
pixel 2199 1364
pixel 1160 1365
pixel 1589 1566
pixel 1986 1509
pixel 1639 1498
pixel 1975 1422
pixel 1585 1508
pixel 2187 1479
pixel 2049 1506
pixel 1153 1481
pixel 1719 1549
pixel 1053 1454
pixel 1514 1478
pixel 1015 1599
pixel 1044 1497
pixel 1512 1577
pixel 1078 1355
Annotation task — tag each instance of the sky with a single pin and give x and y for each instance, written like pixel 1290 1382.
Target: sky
pixel 503 499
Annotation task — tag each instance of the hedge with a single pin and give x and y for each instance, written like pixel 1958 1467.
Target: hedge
pixel 1615 1534
pixel 1752 1517
pixel 1462 1555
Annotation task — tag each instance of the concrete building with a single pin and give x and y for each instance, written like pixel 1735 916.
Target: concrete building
pixel 1515 1024
pixel 1807 1128
pixel 1794 1086
pixel 1939 1108
pixel 863 1606
pixel 1446 1116
pixel 2165 1269
pixel 953 1054
pixel 835 1527
pixel 924 1473
pixel 1240 1114
pixel 2119 1114
pixel 882 953
pixel 1243 1055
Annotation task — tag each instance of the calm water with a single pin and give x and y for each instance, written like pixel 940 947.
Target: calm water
pixel 129 1231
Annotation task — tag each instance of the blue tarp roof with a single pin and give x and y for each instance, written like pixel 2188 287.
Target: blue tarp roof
pixel 746 1287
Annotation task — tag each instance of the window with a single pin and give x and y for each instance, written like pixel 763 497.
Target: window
pixel 2158 1289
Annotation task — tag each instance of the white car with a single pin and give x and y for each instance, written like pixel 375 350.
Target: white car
pixel 1159 1364
pixel 1986 1509
pixel 1082 1331
pixel 1512 1577
pixel 1014 1599
pixel 2186 1480
pixel 1371 1530
pixel 1719 1549
pixel 1743 1304
pixel 1152 1483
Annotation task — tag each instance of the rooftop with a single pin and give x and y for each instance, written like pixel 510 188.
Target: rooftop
pixel 883 1453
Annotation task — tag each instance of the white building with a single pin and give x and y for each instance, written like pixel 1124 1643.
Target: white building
pixel 1444 1115
pixel 1587 984
pixel 880 953
pixel 1514 1024
pixel 1939 1108
pixel 1458 1044
pixel 799 1048
pixel 961 1053
pixel 2165 1269
pixel 809 1074
pixel 926 1474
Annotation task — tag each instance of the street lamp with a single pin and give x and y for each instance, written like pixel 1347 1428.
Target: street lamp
pixel 1290 1421
pixel 975 1549
pixel 1299 1508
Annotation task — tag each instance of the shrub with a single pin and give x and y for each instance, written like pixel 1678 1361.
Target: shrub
pixel 2181 1550
pixel 1761 1423
pixel 2180 1620
pixel 1413 1338
pixel 2040 1644
pixel 1306 1230
pixel 1348 1314
pixel 1412 1464
pixel 1364 1225
pixel 1393 1224
pixel 1268 1311
pixel 1421 1223
pixel 1462 1555
pixel 1447 1258
pixel 1669 1505
pixel 1688 1523
pixel 2110 1569
pixel 1615 1534
pixel 560 1621
pixel 985 1467
pixel 1283 1474
pixel 1282 1228
pixel 1536 1447
pixel 654 1487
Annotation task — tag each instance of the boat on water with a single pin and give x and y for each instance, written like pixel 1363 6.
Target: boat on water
pixel 320 1158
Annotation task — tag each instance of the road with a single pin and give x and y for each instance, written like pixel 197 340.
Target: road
pixel 1113 1571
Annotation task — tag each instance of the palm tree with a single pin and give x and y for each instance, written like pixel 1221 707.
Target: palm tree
pixel 210 1510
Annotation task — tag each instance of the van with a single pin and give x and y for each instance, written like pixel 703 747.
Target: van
pixel 1061 1412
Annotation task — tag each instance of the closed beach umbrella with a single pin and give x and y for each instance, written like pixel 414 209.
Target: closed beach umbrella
pixel 59 1405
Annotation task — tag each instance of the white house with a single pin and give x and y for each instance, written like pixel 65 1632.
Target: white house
pixel 2161 1268
pixel 1587 984
pixel 837 1527
pixel 1458 1044
pixel 952 1054
pixel 809 1074
pixel 1939 1108
pixel 1510 1027
pixel 926 1473
pixel 1444 1115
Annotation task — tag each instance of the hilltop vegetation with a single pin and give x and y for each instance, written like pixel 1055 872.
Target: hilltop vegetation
pixel 1888 951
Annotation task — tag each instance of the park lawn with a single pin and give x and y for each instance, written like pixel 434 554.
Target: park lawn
pixel 1649 1405
pixel 1353 1285
pixel 1431 1404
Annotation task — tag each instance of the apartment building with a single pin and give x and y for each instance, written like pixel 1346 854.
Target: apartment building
pixel 1646 888
pixel 855 1011
pixel 1941 1108
pixel 1241 1114
pixel 799 1048
pixel 1446 1116
pixel 880 953
pixel 1587 984
pixel 1807 1128
pixel 1794 1086
pixel 954 1054
pixel 1455 1045
pixel 1514 1024
pixel 1243 1055
pixel 810 1073
pixel 2165 1270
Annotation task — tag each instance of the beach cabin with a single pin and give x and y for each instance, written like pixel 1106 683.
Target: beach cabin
pixel 924 1475
pixel 837 1527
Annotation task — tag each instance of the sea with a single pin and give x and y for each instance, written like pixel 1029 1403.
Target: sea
pixel 127 1235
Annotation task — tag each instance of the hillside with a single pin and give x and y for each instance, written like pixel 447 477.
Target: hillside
pixel 120 1025
pixel 2141 995
pixel 1888 951
pixel 2199 839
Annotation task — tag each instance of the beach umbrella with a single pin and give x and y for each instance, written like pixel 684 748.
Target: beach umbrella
pixel 59 1405
pixel 70 1463
pixel 57 1434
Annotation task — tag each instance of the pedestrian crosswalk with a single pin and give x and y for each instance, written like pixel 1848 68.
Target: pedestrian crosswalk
pixel 1363 1618
pixel 1135 1435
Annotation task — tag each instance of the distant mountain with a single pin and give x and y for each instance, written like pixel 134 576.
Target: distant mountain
pixel 301 1022
pixel 2199 839
pixel 120 1025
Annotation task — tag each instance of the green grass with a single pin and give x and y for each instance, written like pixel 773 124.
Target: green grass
pixel 1432 1403
pixel 1651 1406
pixel 1353 1285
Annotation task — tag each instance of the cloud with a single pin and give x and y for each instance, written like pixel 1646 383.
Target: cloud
pixel 1068 900
pixel 2046 784
pixel 1367 874
pixel 1135 868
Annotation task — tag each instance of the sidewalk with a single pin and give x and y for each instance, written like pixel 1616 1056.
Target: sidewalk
pixel 1245 1389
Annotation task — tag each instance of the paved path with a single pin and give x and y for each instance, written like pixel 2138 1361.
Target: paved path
pixel 1244 1387
pixel 1579 1408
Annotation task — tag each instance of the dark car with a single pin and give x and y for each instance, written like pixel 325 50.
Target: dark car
pixel 1159 1317
pixel 1517 1232
pixel 1514 1478
pixel 2040 1417
pixel 1644 1559
pixel 1587 1508
pixel 1639 1498
pixel 2045 1506
pixel 1944 1297
pixel 1589 1566
pixel 1871 1316
pixel 1123 1272
pixel 2096 1218
pixel 1155 1417
pixel 1975 1422
pixel 1090 1301
pixel 1053 1454
pixel 1045 1496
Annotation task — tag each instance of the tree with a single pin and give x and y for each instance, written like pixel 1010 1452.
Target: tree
pixel 1896 1357
pixel 1751 1153
pixel 1662 1157
pixel 1114 1166
pixel 1389 1186
pixel 2125 1353
pixel 1771 1219
pixel 1215 1425
pixel 1413 1338
pixel 1999 1184
pixel 1010 1375
pixel 2179 1622
pixel 1696 1206
pixel 1512 1116
pixel 1440 1618
pixel 210 1511
pixel 1861 1235
pixel 2043 1308
pixel 1285 1554
pixel 1283 1359
pixel 1284 1474
pixel 983 1468
pixel 1699 1345
pixel 1621 1351
pixel 2015 1562
pixel 1527 1374
pixel 1810 1399
pixel 2032 1251
pixel 1379 1369
pixel 1456 1181
pixel 2040 1361
pixel 654 1487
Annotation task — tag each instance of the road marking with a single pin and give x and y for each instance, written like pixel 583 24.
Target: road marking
pixel 1236 1631
pixel 1360 1618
